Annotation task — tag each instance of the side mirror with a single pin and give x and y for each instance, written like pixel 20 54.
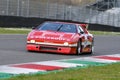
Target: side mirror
pixel 82 32
pixel 33 27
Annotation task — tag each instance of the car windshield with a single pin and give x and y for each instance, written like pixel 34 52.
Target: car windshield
pixel 61 27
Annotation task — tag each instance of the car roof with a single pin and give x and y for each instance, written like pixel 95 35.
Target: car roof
pixel 63 22
pixel 81 24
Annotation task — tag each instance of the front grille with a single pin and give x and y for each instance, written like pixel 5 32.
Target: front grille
pixel 47 48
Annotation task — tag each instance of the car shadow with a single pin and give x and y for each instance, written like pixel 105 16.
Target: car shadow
pixel 53 53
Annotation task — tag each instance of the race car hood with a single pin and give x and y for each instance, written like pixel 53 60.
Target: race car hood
pixel 52 36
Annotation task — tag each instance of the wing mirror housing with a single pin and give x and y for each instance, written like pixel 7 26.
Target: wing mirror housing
pixel 33 27
pixel 81 32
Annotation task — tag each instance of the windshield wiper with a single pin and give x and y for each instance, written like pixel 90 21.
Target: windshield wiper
pixel 60 27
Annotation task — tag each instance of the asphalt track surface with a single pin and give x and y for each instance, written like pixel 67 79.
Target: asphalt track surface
pixel 12 49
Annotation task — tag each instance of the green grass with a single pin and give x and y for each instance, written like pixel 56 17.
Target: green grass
pixel 109 72
pixel 25 31
pixel 14 30
pixel 104 33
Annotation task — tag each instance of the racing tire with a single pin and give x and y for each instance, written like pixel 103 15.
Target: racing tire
pixel 92 48
pixel 79 48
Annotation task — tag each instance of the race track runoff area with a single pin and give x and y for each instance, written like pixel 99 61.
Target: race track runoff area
pixel 44 67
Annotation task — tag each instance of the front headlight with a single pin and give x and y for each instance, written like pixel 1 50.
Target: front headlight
pixel 74 45
pixel 66 43
pixel 70 45
pixel 32 41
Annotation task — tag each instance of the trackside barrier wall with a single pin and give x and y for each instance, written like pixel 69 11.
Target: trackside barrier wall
pixel 20 22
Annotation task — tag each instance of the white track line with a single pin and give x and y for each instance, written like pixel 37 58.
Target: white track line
pixel 59 64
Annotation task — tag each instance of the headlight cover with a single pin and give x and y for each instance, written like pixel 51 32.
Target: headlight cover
pixel 66 43
pixel 70 45
pixel 32 41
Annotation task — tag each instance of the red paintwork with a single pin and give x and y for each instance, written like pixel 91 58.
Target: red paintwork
pixel 109 58
pixel 53 37
pixel 59 37
pixel 38 67
pixel 64 50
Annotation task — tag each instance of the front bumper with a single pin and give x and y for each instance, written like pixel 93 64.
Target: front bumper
pixel 49 48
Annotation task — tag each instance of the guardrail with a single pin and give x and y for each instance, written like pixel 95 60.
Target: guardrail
pixel 75 10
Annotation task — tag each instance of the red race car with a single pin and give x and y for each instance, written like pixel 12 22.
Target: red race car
pixel 60 37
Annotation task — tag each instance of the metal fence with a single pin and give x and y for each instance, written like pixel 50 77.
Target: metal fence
pixel 90 11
